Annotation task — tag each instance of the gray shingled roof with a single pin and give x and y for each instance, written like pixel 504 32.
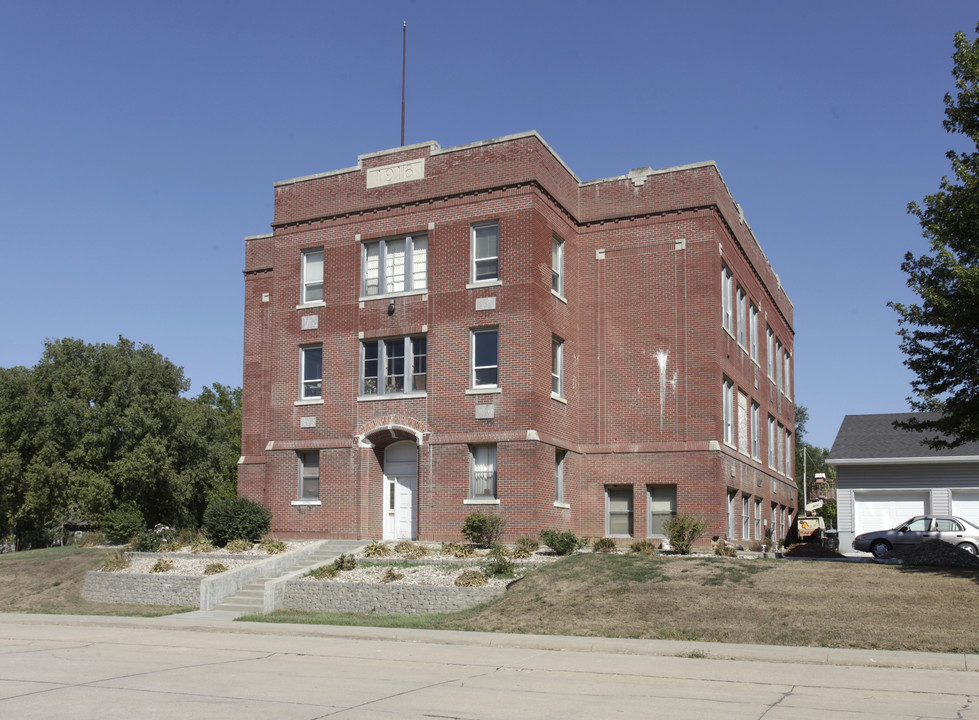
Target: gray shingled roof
pixel 874 436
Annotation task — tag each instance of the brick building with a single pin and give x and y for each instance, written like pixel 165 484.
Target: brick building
pixel 439 331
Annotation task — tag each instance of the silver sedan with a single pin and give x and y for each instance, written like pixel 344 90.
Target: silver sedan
pixel 919 529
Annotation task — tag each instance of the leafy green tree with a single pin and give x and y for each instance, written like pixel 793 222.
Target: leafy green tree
pixel 940 334
pixel 91 428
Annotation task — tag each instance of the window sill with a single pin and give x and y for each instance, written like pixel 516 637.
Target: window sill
pixel 562 505
pixel 484 391
pixel 388 296
pixel 481 501
pixel 483 284
pixel 307 306
pixel 307 502
pixel 311 401
pixel 559 398
pixel 559 296
pixel 391 396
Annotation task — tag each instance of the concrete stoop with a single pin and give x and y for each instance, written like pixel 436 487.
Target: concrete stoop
pixel 264 594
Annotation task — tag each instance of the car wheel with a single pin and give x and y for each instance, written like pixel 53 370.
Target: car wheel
pixel 880 549
pixel 968 547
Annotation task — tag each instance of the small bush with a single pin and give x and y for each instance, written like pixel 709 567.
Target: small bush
pixel 377 549
pixel 345 562
pixel 123 523
pixel 390 575
pixel 187 536
pixel 236 518
pixel 724 550
pixel 604 545
pixel 525 547
pixel 115 562
pixel 92 538
pixel 756 545
pixel 162 565
pixel 683 531
pixel 239 546
pixel 271 545
pixel 325 572
pixel 499 564
pixel 457 550
pixel 410 549
pixel 215 568
pixel 202 545
pixel 563 543
pixel 643 547
pixel 483 530
pixel 153 540
pixel 471 578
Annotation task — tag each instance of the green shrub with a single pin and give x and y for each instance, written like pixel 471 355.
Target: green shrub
pixel 153 540
pixel 325 572
pixel 215 568
pixel 643 547
pixel 457 550
pixel 525 547
pixel 162 565
pixel 236 518
pixel 683 531
pixel 471 578
pixel 123 524
pixel 377 549
pixel 202 545
pixel 390 575
pixel 483 530
pixel 563 543
pixel 239 546
pixel 115 562
pixel 271 545
pixel 499 564
pixel 604 545
pixel 345 562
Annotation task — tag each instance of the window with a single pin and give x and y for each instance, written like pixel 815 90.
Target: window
pixel 559 457
pixel 312 276
pixel 758 535
pixel 312 372
pixel 618 504
pixel 557 367
pixel 662 506
pixel 485 362
pixel 486 252
pixel 769 353
pixel 778 365
pixel 947 525
pixel 557 265
pixel 788 453
pixel 745 517
pixel 731 498
pixel 309 475
pixel 753 332
pixel 742 423
pixel 755 431
pixel 780 453
pixel 728 403
pixel 727 298
pixel 742 319
pixel 771 442
pixel 395 265
pixel 788 365
pixel 390 366
pixel 482 472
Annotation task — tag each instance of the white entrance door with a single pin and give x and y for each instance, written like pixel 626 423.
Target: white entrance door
pixel 400 490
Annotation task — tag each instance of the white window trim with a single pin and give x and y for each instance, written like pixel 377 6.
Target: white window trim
pixel 409 274
pixel 727 406
pixel 306 281
pixel 727 300
pixel 557 358
pixel 557 244
pixel 741 308
pixel 472 253
pixel 608 513
pixel 755 439
pixel 307 502
pixel 753 332
pixel 408 375
pixel 560 456
pixel 484 499
pixel 302 374
pixel 472 359
pixel 301 477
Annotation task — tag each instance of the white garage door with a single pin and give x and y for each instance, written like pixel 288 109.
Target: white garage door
pixel 965 504
pixel 882 510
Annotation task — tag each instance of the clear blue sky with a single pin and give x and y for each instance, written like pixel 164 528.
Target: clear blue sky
pixel 139 142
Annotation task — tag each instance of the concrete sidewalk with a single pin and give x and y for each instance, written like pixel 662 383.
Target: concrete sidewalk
pixel 217 621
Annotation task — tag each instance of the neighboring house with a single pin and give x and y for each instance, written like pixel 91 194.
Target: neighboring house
pixel 885 475
pixel 435 332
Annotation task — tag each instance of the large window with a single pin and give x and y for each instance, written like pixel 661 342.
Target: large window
pixel 395 265
pixel 618 504
pixel 742 319
pixel 788 367
pixel 662 506
pixel 742 423
pixel 311 372
pixel 770 353
pixel 485 252
pixel 778 365
pixel 394 366
pixel 771 442
pixel 309 475
pixel 728 407
pixel 485 358
pixel 727 299
pixel 758 533
pixel 482 472
pixel 557 265
pixel 745 517
pixel 557 367
pixel 788 453
pixel 753 332
pixel 312 276
pixel 780 453
pixel 755 431
pixel 559 460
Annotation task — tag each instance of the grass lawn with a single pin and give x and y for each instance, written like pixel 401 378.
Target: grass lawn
pixel 50 581
pixel 771 602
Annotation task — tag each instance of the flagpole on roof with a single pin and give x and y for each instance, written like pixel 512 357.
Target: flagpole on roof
pixel 404 55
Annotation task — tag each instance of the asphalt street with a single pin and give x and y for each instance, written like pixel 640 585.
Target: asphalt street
pixel 202 665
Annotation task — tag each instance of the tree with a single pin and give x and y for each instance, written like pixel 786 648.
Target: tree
pixel 940 335
pixel 809 459
pixel 92 428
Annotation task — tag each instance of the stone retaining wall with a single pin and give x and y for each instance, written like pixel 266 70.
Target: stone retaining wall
pixel 383 599
pixel 181 590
